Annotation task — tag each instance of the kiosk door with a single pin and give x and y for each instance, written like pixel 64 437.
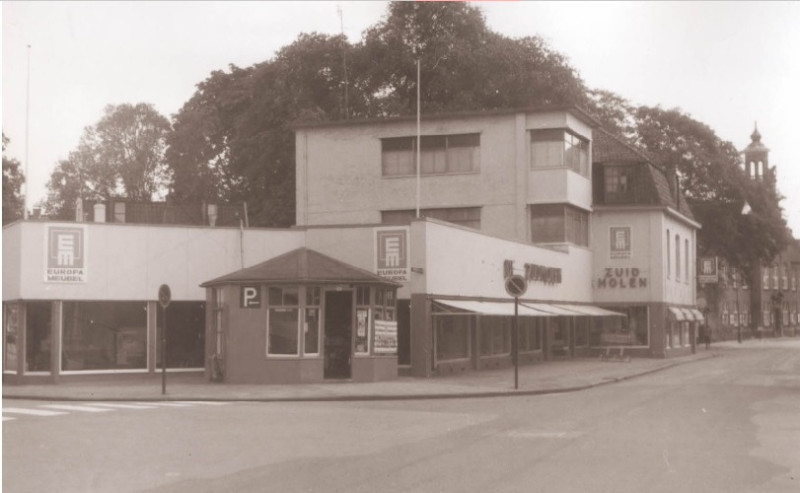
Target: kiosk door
pixel 338 333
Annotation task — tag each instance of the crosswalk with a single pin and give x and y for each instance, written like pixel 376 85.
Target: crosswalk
pixel 60 409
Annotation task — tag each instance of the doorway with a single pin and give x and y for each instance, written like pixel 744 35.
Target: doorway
pixel 338 333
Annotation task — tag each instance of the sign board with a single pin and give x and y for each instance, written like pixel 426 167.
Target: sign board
pixel 386 336
pixel 708 270
pixel 620 242
pixel 516 286
pixel 250 296
pixel 392 253
pixel 66 254
pixel 164 295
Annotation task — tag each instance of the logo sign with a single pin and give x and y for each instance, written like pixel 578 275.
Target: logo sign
pixel 164 295
pixel 392 256
pixel 620 238
pixel 708 271
pixel 250 297
pixel 66 254
pixel 516 286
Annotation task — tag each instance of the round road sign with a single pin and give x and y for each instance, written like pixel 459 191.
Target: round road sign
pixel 164 295
pixel 516 286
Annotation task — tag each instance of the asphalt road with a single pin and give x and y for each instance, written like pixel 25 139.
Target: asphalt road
pixel 727 424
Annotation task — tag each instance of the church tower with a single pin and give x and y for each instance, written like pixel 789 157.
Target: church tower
pixel 756 158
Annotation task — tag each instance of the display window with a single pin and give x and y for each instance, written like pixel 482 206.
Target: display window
pixel 631 330
pixel 104 335
pixel 452 336
pixel 38 341
pixel 185 334
pixel 495 335
pixel 11 321
pixel 283 321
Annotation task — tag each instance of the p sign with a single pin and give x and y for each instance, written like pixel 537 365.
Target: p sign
pixel 250 297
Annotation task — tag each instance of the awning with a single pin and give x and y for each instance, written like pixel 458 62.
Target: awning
pixel 592 311
pixel 677 313
pixel 698 315
pixel 526 309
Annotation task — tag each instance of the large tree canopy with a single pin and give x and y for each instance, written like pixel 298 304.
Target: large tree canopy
pixel 232 141
pixel 13 201
pixel 121 156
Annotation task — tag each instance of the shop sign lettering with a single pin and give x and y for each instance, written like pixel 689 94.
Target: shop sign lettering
pixel 66 254
pixel 621 277
pixel 392 256
pixel 534 272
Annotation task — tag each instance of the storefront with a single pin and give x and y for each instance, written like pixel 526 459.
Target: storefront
pixel 302 317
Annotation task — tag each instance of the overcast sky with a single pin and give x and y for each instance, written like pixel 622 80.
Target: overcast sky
pixel 728 64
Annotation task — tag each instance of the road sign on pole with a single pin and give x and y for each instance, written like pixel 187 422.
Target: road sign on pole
pixel 516 286
pixel 164 297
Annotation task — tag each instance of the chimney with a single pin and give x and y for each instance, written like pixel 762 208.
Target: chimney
pixel 99 213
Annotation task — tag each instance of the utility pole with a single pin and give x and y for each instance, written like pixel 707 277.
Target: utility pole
pixel 27 127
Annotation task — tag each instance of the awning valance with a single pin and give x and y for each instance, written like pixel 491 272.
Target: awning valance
pixel 698 315
pixel 527 309
pixel 677 314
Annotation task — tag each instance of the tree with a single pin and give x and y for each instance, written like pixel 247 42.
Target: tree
pixel 233 141
pixel 13 201
pixel 120 156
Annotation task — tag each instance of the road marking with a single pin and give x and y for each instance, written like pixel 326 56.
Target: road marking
pixel 68 407
pixel 207 403
pixel 117 405
pixel 7 418
pixel 170 404
pixel 32 412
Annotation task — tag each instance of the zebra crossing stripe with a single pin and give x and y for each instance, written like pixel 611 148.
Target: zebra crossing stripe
pixel 69 407
pixel 170 404
pixel 7 418
pixel 116 405
pixel 207 403
pixel 31 412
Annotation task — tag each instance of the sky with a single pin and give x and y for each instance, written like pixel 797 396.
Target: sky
pixel 727 64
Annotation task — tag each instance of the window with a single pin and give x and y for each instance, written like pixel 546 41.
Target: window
pixel 11 327
pixel 677 257
pixel 785 276
pixel 774 277
pixel 621 331
pixel 313 320
pixel 362 319
pixel 104 336
pixel 686 259
pixel 724 317
pixel 439 154
pixel 556 148
pixel 495 335
pixel 37 335
pixel 452 334
pixel 617 183
pixel 765 277
pixel 185 334
pixel 530 333
pixel 669 255
pixel 218 319
pixel 282 321
pixel 559 223
pixel 469 217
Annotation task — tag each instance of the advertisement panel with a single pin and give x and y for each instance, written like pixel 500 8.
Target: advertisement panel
pixel 386 336
pixel 392 256
pixel 66 254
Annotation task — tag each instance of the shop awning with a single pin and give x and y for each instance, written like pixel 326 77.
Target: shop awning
pixel 592 311
pixel 493 308
pixel 677 314
pixel 527 309
pixel 698 315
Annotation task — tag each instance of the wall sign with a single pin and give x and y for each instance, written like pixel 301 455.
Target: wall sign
pixel 621 277
pixel 392 253
pixel 66 254
pixel 708 271
pixel 250 296
pixel 386 336
pixel 534 272
pixel 620 241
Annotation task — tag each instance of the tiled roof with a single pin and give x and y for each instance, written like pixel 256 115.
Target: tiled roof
pixel 301 266
pixel 651 183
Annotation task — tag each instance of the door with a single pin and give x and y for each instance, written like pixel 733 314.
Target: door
pixel 338 333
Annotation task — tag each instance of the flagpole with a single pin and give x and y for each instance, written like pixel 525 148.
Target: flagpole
pixel 419 139
pixel 27 126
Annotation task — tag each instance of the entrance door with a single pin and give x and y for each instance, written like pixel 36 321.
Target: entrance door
pixel 338 333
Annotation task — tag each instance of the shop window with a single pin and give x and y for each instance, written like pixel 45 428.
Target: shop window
pixel 439 154
pixel 282 321
pixel 559 223
pixel 37 335
pixel 363 321
pixel 312 324
pixel 530 333
pixel 185 334
pixel 495 335
pixel 385 310
pixel 581 331
pixel 104 335
pixel 558 148
pixel 631 330
pixel 469 217
pixel 11 330
pixel 452 336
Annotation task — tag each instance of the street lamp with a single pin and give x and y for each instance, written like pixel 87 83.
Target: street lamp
pixel 746 210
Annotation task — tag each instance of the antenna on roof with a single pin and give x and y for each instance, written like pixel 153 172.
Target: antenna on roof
pixel 344 60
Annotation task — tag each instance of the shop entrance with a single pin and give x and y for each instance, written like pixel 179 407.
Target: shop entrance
pixel 338 333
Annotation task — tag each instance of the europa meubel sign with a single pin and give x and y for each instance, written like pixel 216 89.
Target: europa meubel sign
pixel 66 254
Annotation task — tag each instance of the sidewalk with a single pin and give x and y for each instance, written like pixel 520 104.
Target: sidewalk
pixel 542 378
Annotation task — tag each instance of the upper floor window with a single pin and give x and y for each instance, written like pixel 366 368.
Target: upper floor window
pixel 669 255
pixel 439 154
pixel 617 180
pixel 677 257
pixel 559 223
pixel 554 148
pixel 469 217
pixel 686 259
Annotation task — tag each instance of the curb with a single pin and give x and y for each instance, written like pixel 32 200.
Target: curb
pixel 367 397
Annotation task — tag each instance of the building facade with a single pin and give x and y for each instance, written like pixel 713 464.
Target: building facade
pixel 364 288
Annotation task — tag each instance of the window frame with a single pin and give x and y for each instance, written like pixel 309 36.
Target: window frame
pixel 570 215
pixel 561 142
pixel 431 145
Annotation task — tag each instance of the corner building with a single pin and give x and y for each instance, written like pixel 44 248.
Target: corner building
pixel 361 288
